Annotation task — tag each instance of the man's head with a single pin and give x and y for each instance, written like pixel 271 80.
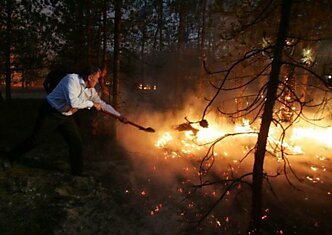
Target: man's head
pixel 90 76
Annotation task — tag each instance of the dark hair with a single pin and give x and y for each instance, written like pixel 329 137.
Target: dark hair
pixel 89 70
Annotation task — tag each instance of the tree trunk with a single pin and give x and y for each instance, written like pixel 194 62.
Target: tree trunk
pixel 202 51
pixel 89 32
pixel 79 56
pixel 104 33
pixel 180 51
pixel 9 9
pixel 117 43
pixel 159 31
pixel 143 42
pixel 105 90
pixel 258 173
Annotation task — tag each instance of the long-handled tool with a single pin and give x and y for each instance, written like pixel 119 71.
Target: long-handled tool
pixel 147 129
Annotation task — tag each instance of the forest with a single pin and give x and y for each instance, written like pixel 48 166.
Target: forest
pixel 230 112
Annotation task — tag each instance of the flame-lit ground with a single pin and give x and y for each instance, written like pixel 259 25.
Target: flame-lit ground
pixel 167 166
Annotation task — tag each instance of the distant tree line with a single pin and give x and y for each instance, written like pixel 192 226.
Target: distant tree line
pixel 172 36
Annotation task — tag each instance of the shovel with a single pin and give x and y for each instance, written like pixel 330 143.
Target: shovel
pixel 147 129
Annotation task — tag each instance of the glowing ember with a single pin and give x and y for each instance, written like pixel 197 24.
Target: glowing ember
pixel 218 223
pixel 313 179
pixel 314 168
pixel 191 205
pixel 156 209
pixel 321 158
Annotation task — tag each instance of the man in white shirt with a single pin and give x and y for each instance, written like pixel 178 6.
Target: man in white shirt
pixel 73 92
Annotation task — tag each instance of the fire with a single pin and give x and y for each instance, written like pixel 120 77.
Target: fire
pixel 179 151
pixel 177 144
pixel 245 127
pixel 319 135
pixel 300 145
pixel 188 143
pixel 209 134
pixel 164 140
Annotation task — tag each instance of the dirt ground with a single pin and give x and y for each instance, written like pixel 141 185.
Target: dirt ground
pixel 39 196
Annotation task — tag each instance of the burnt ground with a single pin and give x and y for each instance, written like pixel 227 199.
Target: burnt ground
pixel 40 196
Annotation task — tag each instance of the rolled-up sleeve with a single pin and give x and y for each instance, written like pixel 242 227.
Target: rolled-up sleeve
pixel 104 106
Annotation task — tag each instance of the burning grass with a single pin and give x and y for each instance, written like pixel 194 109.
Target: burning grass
pixel 177 161
pixel 159 175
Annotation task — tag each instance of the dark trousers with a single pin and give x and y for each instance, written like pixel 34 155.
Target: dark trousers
pixel 49 121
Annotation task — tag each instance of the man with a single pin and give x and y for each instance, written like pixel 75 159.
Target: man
pixel 73 92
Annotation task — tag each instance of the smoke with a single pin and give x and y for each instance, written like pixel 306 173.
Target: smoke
pixel 141 145
pixel 306 165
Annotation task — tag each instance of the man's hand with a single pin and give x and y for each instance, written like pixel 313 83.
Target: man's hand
pixel 97 106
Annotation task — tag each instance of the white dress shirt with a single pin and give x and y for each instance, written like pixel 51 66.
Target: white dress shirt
pixel 71 94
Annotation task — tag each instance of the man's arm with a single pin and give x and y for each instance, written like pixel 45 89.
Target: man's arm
pixel 103 105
